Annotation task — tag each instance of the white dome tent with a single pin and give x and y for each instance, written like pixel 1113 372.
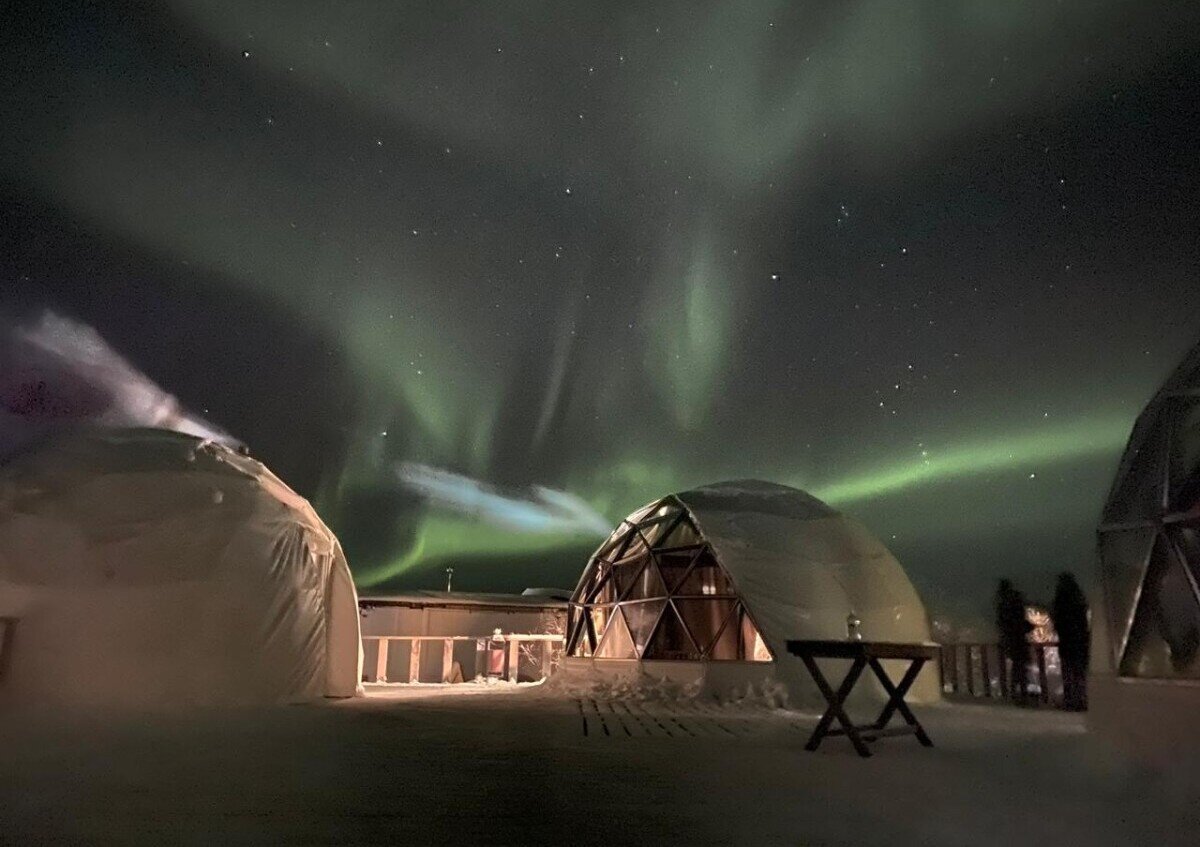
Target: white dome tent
pixel 146 567
pixel 705 587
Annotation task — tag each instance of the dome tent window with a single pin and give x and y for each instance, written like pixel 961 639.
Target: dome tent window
pixel 655 590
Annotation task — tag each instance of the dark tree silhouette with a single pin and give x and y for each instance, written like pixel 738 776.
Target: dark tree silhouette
pixel 1014 630
pixel 1070 614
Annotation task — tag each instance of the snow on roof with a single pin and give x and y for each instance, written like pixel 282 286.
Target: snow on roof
pixel 460 598
pixel 755 495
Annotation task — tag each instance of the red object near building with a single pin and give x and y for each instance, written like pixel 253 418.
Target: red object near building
pixel 495 655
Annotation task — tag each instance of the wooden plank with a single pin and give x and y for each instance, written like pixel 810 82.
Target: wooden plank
pixel 447 658
pixel 825 649
pixel 381 661
pixel 868 734
pixel 835 699
pixel 8 628
pixel 896 695
pixel 514 657
pixel 414 661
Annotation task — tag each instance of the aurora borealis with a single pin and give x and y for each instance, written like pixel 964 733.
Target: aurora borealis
pixel 925 260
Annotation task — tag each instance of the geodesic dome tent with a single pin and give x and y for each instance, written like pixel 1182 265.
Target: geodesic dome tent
pixel 720 577
pixel 149 567
pixel 1149 539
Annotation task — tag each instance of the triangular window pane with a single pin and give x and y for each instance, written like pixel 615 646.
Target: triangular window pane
pixel 616 643
pixel 671 639
pixel 1123 556
pixel 654 529
pixel 615 545
pixel 645 512
pixel 1186 538
pixel 706 578
pixel 605 589
pixel 1185 456
pixel 1165 638
pixel 727 645
pixel 1139 492
pixel 1179 614
pixel 674 564
pixel 641 618
pixel 587 587
pixel 596 623
pixel 681 534
pixel 704 620
pixel 587 582
pixel 575 628
pixel 634 551
pixel 626 571
pixel 646 584
pixel 752 648
pixel 582 644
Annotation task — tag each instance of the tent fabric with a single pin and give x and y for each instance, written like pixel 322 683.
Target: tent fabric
pixel 147 566
pixel 1149 539
pixel 797 568
pixel 802 570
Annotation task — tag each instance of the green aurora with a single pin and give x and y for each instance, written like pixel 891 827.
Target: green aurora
pixel 1022 453
pixel 442 539
pixel 926 263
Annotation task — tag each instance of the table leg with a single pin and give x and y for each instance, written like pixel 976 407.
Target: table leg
pixel 835 700
pixel 896 694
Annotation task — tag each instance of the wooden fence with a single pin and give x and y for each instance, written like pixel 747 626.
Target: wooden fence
pixel 507 648
pixel 8 628
pixel 981 671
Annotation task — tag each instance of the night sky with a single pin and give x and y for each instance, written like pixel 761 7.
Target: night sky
pixel 925 260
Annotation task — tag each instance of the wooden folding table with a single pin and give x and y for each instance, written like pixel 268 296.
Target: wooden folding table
pixel 865 654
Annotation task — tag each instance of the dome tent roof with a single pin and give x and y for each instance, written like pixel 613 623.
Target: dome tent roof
pixel 146 565
pixel 756 495
pixel 786 550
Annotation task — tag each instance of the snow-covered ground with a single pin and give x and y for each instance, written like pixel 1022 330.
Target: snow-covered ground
pixel 531 765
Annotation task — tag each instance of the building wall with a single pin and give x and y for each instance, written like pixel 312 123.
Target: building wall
pixel 478 621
